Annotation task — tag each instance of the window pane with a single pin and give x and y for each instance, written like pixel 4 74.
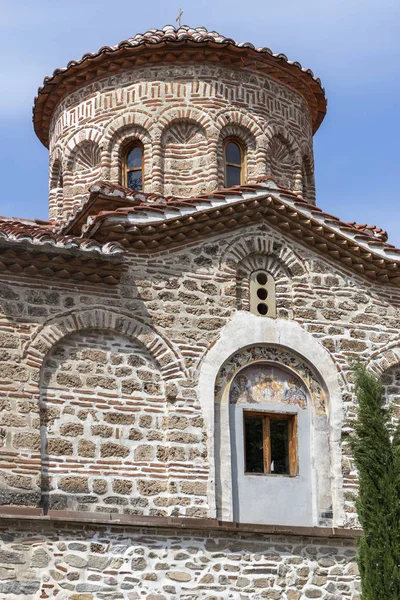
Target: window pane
pixel 279 432
pixel 232 175
pixel 134 159
pixel 254 445
pixel 233 154
pixel 135 180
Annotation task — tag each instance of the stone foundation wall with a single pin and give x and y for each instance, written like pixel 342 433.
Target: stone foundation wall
pixel 91 562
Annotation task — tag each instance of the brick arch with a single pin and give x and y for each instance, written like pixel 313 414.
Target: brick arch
pixel 56 155
pixel 56 184
pixel 235 123
pixel 137 117
pixel 112 153
pixel 56 172
pixel 307 178
pixel 181 113
pixel 86 152
pixel 125 133
pixel 246 246
pixel 254 163
pixel 283 356
pixel 381 361
pixel 92 134
pixel 164 353
pixel 185 161
pixel 282 286
pixel 278 130
pixel 283 159
pixel 238 117
pixel 182 121
pixel 266 262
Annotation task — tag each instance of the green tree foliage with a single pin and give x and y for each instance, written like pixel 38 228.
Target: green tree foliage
pixel 376 450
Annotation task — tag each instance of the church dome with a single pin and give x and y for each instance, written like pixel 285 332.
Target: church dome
pixel 178 112
pixel 173 45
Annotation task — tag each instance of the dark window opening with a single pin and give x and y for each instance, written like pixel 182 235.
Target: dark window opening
pixel 254 440
pixel 234 163
pixel 279 439
pixel 134 168
pixel 270 443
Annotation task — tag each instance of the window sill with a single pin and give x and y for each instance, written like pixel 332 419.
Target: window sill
pixel 271 475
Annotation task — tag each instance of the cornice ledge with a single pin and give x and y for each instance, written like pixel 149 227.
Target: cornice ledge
pixel 179 523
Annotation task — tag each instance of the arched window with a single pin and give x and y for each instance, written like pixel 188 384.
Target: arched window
pixel 133 167
pixel 234 158
pixel 56 180
pixel 262 294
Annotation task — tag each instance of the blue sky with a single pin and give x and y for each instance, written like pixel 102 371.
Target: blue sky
pixel 352 45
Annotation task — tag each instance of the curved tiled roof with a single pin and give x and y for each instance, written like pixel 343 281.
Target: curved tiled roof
pixel 35 249
pixel 115 219
pixel 30 233
pixel 91 66
pixel 146 223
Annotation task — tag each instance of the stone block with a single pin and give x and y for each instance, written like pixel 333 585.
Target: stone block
pixel 20 588
pixel 109 449
pixel 180 576
pixel 59 447
pixel 151 487
pixel 7 573
pixel 74 485
pixel 103 431
pixel 10 557
pixel 144 453
pixel 71 429
pixel 122 486
pixel 119 418
pixel 69 380
pixel 100 486
pixel 194 488
pixel 75 560
pixel 86 448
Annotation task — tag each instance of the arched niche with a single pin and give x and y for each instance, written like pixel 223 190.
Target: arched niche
pixel 308 182
pixel 185 158
pixel 288 345
pixel 247 140
pixel 282 160
pixel 115 152
pixel 56 192
pixel 271 386
pixel 102 405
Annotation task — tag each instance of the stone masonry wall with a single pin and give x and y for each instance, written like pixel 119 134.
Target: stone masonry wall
pixel 179 301
pixel 103 562
pixel 108 435
pixel 181 114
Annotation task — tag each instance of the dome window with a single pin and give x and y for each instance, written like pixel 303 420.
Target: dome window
pixel 234 158
pixel 133 167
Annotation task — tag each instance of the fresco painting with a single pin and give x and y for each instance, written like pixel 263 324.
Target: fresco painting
pixel 269 381
pixel 261 384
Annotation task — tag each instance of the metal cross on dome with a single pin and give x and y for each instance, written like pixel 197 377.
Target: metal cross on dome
pixel 178 18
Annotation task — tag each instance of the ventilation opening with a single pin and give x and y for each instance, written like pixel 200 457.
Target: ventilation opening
pixel 262 294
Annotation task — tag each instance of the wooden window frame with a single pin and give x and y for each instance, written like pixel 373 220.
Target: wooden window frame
pixel 293 442
pixel 125 170
pixel 242 149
